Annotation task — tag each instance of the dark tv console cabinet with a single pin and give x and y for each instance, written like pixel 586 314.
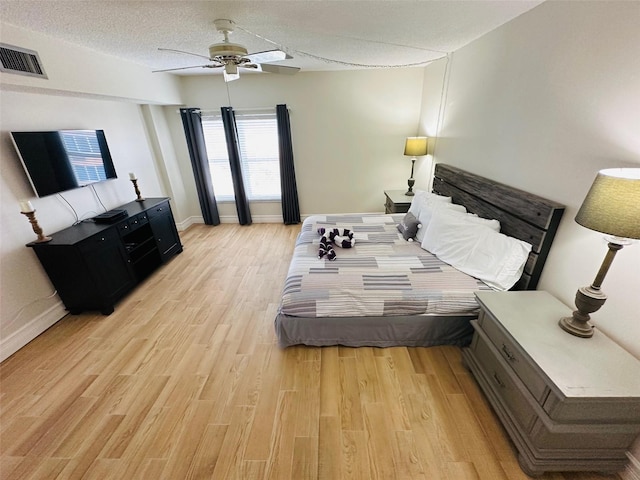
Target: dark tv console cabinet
pixel 93 265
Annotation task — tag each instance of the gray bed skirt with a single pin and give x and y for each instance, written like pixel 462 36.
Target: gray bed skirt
pixel 409 331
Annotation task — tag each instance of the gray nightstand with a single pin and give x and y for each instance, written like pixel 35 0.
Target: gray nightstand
pixel 568 403
pixel 396 201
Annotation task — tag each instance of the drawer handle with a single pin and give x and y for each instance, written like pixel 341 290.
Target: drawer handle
pixel 508 353
pixel 498 381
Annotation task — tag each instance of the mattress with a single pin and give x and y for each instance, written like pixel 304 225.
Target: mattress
pixel 383 291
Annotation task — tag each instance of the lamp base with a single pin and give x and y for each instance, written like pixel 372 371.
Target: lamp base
pixel 411 182
pixel 588 300
pixel 577 328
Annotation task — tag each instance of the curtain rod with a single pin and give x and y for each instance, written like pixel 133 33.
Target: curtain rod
pixel 259 109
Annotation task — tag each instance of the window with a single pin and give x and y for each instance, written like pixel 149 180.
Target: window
pixel 258 142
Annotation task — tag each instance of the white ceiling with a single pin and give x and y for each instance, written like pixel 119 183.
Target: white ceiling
pixel 365 32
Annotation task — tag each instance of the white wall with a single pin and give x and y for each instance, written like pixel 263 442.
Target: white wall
pixel 83 90
pixel 25 287
pixel 75 70
pixel 431 116
pixel 543 103
pixel 348 131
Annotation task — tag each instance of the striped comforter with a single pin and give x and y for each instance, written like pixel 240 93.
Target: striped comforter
pixel 382 275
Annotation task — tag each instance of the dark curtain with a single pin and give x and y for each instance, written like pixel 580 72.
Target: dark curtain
pixel 231 134
pixel 290 207
pixel 198 153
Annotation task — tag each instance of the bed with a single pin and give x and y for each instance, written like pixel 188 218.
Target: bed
pixel 387 291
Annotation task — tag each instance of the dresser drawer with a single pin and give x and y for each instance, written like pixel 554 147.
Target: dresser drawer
pixel 132 223
pixel 614 438
pixel 512 354
pixel 501 380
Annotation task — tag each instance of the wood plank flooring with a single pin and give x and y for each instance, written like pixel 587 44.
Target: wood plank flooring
pixel 185 381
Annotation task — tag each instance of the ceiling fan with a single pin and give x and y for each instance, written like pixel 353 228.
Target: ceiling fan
pixel 230 56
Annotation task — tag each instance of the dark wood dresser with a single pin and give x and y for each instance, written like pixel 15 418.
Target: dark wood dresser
pixel 93 265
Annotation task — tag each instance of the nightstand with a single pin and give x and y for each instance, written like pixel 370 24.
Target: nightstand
pixel 568 403
pixel 396 201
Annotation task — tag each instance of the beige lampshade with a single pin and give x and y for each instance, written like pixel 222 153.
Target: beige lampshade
pixel 612 205
pixel 415 146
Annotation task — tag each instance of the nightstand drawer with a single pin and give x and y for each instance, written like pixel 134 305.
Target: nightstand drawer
pixel 614 438
pixel 499 377
pixel 513 356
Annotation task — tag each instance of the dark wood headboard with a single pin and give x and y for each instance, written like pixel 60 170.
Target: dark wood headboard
pixel 521 214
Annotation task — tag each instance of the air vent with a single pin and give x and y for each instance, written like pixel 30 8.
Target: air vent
pixel 21 61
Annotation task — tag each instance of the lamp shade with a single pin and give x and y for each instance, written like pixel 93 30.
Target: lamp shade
pixel 415 146
pixel 612 205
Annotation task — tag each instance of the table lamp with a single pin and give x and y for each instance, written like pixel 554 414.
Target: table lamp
pixel 414 147
pixel 612 206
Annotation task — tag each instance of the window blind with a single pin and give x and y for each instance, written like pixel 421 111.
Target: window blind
pixel 258 144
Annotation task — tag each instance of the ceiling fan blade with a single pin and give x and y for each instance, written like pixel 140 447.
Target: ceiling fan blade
pixel 267 67
pixel 182 51
pixel 268 56
pixel 185 68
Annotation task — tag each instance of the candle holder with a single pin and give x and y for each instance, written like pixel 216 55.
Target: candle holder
pixel 36 228
pixel 137 190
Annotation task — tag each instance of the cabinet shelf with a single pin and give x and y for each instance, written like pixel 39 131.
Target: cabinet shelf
pixel 138 250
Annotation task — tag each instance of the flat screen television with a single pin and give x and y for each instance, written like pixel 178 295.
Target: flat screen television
pixel 61 160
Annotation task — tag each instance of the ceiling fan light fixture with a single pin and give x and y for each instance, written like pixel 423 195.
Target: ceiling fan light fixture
pixel 230 72
pixel 229 56
pixel 227 50
pixel 230 77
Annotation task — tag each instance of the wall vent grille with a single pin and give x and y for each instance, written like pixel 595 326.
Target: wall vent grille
pixel 21 61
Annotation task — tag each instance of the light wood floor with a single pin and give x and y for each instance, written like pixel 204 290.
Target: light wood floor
pixel 185 381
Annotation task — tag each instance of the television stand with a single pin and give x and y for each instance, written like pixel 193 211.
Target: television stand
pixel 92 265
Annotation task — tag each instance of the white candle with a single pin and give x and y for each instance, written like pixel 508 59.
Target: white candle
pixel 132 176
pixel 26 207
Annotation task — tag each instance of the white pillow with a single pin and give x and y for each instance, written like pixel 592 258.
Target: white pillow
pixel 423 198
pixel 473 218
pixel 477 250
pixel 427 212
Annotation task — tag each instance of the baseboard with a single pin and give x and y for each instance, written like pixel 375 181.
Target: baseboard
pixel 182 226
pixel 29 331
pixel 632 472
pixel 254 219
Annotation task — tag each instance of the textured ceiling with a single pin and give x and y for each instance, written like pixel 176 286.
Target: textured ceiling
pixel 383 33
